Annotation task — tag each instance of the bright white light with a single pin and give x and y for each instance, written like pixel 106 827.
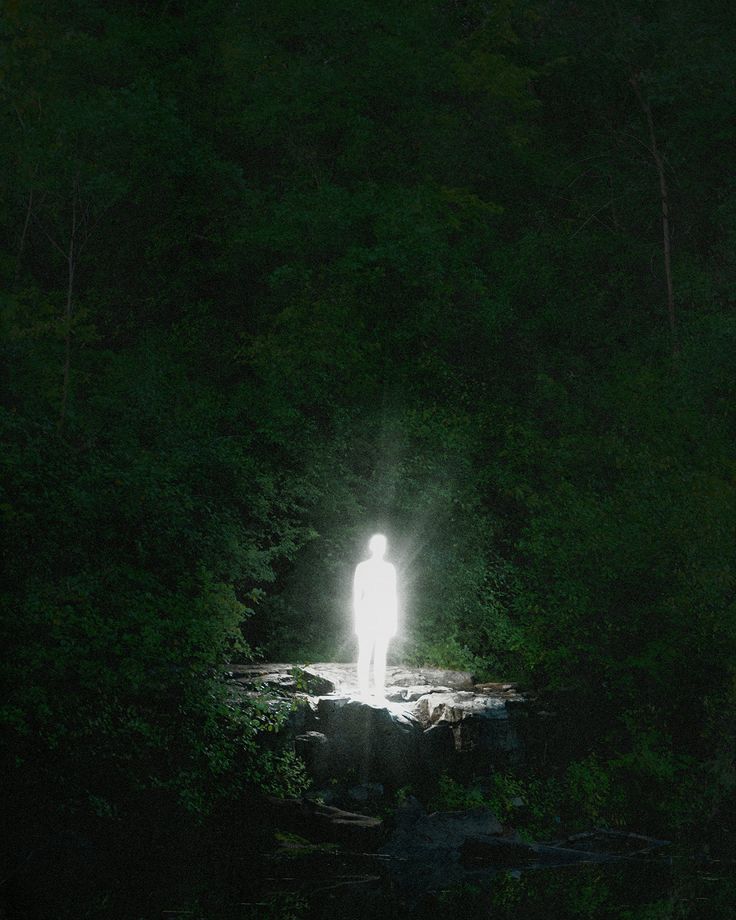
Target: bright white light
pixel 376 614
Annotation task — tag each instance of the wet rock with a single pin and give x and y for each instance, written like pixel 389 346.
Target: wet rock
pixel 301 715
pixel 283 678
pixel 372 741
pixel 433 677
pixel 479 722
pixel 455 706
pixel 497 687
pixel 438 741
pixel 425 850
pixel 324 796
pixel 325 822
pixel 400 694
pixel 366 793
pixel 409 810
pixel 442 830
pixel 313 748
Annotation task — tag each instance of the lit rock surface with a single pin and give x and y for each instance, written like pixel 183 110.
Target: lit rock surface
pixel 339 678
pixel 430 719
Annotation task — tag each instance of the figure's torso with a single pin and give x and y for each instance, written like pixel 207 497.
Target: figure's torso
pixel 375 598
pixel 375 584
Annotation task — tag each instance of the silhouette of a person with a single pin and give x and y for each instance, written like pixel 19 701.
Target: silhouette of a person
pixel 376 614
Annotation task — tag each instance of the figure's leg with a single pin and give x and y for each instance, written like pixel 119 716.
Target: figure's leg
pixel 365 646
pixel 379 665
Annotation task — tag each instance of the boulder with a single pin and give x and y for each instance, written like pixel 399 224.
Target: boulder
pixel 442 830
pixel 366 794
pixel 434 677
pixel 425 851
pixel 373 742
pixel 413 693
pixel 479 722
pixel 438 743
pixel 313 748
pixel 454 706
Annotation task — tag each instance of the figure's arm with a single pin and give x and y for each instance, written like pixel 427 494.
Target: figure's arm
pixel 357 593
pixel 394 619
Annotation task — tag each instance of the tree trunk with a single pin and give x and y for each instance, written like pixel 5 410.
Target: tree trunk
pixel 24 234
pixel 71 265
pixel 665 204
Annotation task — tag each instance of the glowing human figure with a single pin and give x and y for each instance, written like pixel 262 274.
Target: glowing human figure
pixel 376 614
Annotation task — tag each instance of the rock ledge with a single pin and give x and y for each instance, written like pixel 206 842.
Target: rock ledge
pixel 429 720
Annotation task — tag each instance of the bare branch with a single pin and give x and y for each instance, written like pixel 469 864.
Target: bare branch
pixel 24 234
pixel 665 207
pixel 593 216
pixel 50 238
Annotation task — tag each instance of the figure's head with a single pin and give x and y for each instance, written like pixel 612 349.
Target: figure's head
pixel 377 545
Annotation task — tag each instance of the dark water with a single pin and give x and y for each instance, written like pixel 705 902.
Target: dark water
pixel 325 884
pixel 652 891
pixel 673 887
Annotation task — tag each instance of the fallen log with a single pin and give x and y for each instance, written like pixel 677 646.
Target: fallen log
pixel 624 843
pixel 325 822
pixel 502 851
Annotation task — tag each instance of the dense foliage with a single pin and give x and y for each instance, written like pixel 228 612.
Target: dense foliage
pixel 277 275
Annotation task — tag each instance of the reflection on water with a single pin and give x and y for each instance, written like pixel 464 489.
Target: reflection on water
pixel 321 882
pixel 671 889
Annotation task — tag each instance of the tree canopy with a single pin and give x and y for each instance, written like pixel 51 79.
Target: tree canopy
pixel 278 275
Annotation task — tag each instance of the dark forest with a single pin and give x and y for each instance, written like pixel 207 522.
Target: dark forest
pixel 280 275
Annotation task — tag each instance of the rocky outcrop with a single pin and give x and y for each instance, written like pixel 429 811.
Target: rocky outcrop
pixel 431 720
pixel 479 720
pixel 430 852
pixel 425 851
pixel 420 853
pixel 372 741
pixel 362 754
pixel 441 830
pixel 340 678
